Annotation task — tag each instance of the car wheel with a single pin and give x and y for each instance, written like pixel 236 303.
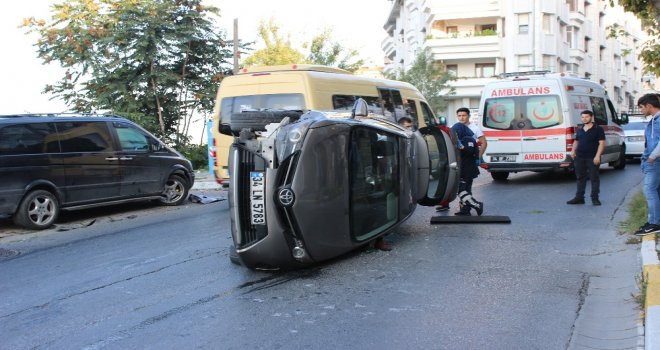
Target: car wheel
pixel 175 191
pixel 621 162
pixel 38 210
pixel 499 175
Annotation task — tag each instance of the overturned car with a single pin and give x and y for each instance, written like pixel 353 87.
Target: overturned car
pixel 320 184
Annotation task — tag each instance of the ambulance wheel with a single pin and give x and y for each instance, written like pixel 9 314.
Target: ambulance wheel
pixel 621 162
pixel 499 175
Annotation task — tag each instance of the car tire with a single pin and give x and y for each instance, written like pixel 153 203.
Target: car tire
pixel 257 120
pixel 621 162
pixel 233 256
pixel 175 191
pixel 38 210
pixel 500 175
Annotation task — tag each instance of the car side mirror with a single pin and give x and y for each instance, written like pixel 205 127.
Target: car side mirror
pixel 623 118
pixel 442 120
pixel 360 109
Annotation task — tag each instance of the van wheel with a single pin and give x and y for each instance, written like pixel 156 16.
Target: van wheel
pixel 175 191
pixel 499 175
pixel 621 162
pixel 38 210
pixel 257 120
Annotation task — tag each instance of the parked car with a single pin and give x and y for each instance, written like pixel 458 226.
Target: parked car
pixel 319 184
pixel 634 133
pixel 52 162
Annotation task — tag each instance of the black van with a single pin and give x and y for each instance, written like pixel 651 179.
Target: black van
pixel 52 162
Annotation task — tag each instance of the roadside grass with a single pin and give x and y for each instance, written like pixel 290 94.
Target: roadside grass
pixel 640 298
pixel 637 215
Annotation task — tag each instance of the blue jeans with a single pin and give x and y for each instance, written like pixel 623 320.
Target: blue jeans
pixel 652 190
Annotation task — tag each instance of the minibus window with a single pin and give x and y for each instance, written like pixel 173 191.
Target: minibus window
pixel 28 139
pixel 238 104
pixel 346 102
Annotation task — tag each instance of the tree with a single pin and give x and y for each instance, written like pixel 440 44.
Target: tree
pixel 157 62
pixel 429 78
pixel 646 11
pixel 278 49
pixel 328 53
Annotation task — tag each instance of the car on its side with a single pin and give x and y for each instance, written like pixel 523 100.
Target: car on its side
pixel 634 134
pixel 319 184
pixel 62 161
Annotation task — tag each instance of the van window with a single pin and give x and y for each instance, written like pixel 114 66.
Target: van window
pixel 429 119
pixel 599 109
pixel 28 139
pixel 84 137
pixel 131 139
pixel 346 102
pixel 522 112
pixel 238 104
pixel 392 103
pixel 374 182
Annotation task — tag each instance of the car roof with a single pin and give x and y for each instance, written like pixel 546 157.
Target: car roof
pixel 53 117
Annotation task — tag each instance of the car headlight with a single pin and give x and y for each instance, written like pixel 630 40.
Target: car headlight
pixel 290 138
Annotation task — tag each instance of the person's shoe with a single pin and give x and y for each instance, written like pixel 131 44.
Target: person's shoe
pixel 576 200
pixel 382 244
pixel 647 229
pixel 595 201
pixel 462 213
pixel 442 208
pixel 479 208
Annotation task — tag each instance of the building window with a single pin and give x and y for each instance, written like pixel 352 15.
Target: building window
pixel 547 23
pixel 547 62
pixel 586 44
pixel 571 36
pixel 572 5
pixel 452 70
pixel 524 62
pixel 452 30
pixel 484 70
pixel 523 23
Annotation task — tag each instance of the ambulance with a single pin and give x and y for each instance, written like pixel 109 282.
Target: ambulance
pixel 530 120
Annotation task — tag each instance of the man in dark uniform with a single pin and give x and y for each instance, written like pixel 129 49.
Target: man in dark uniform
pixel 588 146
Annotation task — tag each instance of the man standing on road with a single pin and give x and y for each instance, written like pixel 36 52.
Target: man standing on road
pixel 588 146
pixel 463 117
pixel 649 104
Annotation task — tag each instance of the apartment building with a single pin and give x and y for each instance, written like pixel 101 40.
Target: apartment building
pixel 476 40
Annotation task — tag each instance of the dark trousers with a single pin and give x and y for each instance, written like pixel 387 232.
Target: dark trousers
pixel 583 168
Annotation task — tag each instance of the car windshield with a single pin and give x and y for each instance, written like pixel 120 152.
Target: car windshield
pixel 635 126
pixel 374 182
pixel 522 112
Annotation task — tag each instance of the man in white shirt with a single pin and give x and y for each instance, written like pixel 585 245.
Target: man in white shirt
pixel 463 117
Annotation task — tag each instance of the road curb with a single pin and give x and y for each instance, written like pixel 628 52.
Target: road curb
pixel 651 276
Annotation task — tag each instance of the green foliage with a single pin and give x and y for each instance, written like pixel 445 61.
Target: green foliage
pixel 278 49
pixel 196 154
pixel 429 78
pixel 637 214
pixel 157 62
pixel 485 32
pixel 647 13
pixel 328 53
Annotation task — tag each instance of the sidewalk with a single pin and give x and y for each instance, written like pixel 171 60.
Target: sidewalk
pixel 205 181
pixel 651 277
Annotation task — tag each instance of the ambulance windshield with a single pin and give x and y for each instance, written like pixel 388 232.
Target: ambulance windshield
pixel 522 112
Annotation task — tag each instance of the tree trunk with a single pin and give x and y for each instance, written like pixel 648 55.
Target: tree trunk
pixel 160 112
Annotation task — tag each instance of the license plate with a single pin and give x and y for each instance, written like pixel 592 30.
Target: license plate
pixel 257 207
pixel 505 158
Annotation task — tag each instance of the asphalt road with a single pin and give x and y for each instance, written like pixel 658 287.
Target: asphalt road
pixel 150 277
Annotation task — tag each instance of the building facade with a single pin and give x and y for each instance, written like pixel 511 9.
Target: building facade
pixel 476 40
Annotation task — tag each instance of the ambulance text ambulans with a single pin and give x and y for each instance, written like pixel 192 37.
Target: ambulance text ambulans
pixel 530 119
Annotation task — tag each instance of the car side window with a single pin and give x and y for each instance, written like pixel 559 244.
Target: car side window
pixel 84 137
pixel 131 139
pixel 32 138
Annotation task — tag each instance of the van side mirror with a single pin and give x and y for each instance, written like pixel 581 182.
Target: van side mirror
pixel 623 118
pixel 442 120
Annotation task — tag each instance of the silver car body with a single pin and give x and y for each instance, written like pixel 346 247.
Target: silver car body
pixel 634 134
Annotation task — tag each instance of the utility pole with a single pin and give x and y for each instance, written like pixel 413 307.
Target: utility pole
pixel 235 45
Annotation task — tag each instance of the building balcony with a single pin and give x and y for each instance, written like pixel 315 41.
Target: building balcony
pixel 469 86
pixel 464 48
pixel 576 54
pixel 576 18
pixel 388 46
pixel 464 9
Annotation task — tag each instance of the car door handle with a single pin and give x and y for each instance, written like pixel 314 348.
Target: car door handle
pixel 453 165
pixel 111 158
pixel 126 158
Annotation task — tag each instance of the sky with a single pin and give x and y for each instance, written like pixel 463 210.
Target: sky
pixel 356 24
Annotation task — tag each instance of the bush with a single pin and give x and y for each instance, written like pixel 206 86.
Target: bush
pixel 198 155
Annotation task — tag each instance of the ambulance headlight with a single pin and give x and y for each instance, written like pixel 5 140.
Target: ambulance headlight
pixel 290 138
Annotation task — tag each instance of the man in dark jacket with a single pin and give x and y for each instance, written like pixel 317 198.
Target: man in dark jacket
pixel 469 170
pixel 588 146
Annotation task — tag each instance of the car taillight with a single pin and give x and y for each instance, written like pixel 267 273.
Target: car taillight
pixel 570 138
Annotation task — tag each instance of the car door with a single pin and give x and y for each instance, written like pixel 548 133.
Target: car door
pixel 444 172
pixel 90 162
pixel 141 166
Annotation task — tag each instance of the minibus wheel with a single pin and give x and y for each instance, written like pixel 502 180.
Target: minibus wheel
pixel 38 210
pixel 175 191
pixel 499 175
